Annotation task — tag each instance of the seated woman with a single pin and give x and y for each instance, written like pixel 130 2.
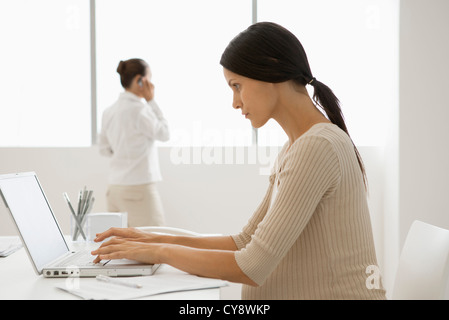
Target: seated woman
pixel 310 237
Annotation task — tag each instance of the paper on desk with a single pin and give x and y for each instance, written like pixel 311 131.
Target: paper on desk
pixel 151 285
pixel 9 245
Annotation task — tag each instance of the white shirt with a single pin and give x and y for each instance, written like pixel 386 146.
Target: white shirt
pixel 129 130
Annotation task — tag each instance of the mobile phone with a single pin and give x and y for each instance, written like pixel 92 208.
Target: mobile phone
pixel 139 82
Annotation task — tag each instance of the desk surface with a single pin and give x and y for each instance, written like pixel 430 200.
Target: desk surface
pixel 18 281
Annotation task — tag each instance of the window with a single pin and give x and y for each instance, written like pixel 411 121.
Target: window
pixel 352 46
pixel 45 82
pixel 182 41
pixel 45 90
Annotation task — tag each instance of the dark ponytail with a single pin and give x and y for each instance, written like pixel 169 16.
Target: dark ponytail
pixel 268 52
pixel 325 98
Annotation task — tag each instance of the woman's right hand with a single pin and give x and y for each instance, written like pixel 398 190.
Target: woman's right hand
pixel 147 89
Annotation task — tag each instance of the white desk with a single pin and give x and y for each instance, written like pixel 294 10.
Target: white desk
pixel 18 281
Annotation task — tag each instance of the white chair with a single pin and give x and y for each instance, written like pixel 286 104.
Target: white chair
pixel 423 267
pixel 173 231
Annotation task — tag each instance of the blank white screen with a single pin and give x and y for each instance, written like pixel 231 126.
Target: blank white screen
pixel 34 219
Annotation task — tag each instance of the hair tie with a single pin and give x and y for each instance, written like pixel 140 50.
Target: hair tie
pixel 311 81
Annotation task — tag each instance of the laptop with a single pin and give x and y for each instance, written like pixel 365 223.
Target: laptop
pixel 43 240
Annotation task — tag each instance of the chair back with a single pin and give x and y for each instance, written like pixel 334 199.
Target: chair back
pixel 169 230
pixel 176 231
pixel 423 267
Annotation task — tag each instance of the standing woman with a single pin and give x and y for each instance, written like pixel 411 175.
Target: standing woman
pixel 311 236
pixel 129 130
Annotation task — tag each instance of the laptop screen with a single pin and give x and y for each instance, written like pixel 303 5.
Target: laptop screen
pixel 34 218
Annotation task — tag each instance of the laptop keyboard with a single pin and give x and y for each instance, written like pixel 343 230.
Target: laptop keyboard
pixel 80 259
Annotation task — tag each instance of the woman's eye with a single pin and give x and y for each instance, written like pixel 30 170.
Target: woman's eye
pixel 237 86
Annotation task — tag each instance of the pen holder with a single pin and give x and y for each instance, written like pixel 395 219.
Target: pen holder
pixel 78 225
pixel 75 232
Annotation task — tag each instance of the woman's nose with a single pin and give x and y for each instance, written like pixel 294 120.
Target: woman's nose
pixel 236 104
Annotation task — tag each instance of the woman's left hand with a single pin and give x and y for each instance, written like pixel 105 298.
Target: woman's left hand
pixel 119 248
pixel 126 233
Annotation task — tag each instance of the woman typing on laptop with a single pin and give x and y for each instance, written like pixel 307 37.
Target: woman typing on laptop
pixel 310 238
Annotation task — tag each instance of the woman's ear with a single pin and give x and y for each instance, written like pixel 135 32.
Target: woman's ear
pixel 137 81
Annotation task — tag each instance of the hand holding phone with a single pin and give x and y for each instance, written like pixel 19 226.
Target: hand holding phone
pixel 148 89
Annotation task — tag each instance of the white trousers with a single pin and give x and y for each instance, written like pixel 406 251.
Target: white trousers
pixel 142 203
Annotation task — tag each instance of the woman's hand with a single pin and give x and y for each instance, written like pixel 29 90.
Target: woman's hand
pixel 131 234
pixel 126 243
pixel 147 89
pixel 119 248
pixel 211 257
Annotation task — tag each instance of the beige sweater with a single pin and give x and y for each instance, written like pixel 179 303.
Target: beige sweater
pixel 315 240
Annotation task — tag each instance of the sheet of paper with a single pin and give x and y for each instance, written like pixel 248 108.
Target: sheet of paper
pixel 151 285
pixel 9 245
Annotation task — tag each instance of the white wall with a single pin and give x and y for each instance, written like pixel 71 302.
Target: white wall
pixel 424 113
pixel 208 198
pixel 416 158
pixel 200 197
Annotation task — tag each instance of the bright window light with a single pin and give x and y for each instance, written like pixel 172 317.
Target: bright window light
pixel 352 46
pixel 45 89
pixel 182 41
pixel 45 82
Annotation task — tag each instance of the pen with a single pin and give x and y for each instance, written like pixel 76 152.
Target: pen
pixel 90 204
pixel 79 204
pixel 85 201
pixel 78 223
pixel 118 281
